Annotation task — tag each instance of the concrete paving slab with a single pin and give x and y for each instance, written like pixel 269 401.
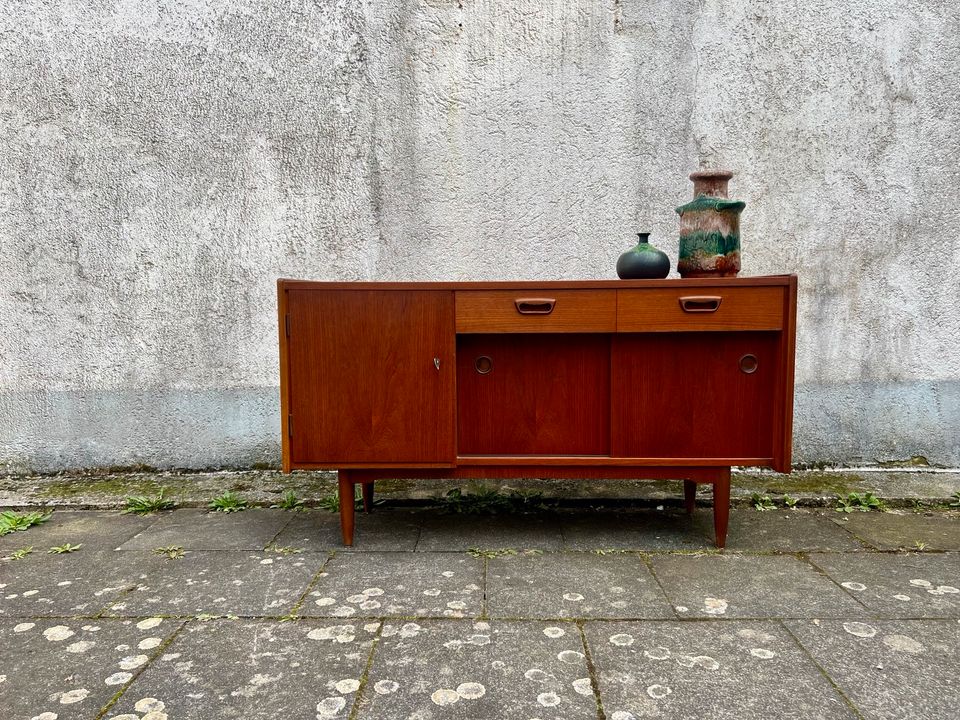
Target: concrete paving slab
pixel 95 530
pixel 398 584
pixel 889 669
pixel 381 530
pixel 904 530
pixel 782 531
pixel 634 530
pixel 913 585
pixel 574 585
pixel 256 670
pixel 750 586
pixel 195 529
pixel 81 583
pixel 694 670
pixel 70 669
pixel 441 532
pixel 466 671
pixel 221 583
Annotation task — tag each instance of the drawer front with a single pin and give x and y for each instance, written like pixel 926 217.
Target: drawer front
pixel 700 308
pixel 536 310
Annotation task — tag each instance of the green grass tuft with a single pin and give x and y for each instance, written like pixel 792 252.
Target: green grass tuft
pixel 228 502
pixel 11 521
pixel 146 504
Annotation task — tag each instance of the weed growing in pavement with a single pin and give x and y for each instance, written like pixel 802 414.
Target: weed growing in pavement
pixel 478 553
pixel 228 502
pixel 331 503
pixel 790 502
pixel 172 552
pixel 864 502
pixel 490 502
pixel 21 553
pixel 64 549
pixel 283 549
pixel 146 504
pixel 11 521
pixel 956 499
pixel 762 502
pixel 919 545
pixel 289 501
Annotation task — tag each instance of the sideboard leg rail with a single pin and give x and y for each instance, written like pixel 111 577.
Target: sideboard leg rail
pixel 346 493
pixel 721 506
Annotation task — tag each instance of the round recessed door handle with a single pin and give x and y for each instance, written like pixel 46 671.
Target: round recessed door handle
pixel 748 364
pixel 483 365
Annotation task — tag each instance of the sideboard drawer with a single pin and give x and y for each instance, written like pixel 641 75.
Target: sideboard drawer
pixel 536 311
pixel 700 308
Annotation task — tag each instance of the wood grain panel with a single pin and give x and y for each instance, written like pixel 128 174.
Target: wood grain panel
pixel 660 309
pixel 362 382
pixel 495 311
pixel 544 395
pixel 683 395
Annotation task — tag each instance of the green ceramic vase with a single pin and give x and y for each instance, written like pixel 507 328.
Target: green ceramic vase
pixel 710 228
pixel 643 261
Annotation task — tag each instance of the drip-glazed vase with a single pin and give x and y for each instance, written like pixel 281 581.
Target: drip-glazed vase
pixel 710 228
pixel 643 261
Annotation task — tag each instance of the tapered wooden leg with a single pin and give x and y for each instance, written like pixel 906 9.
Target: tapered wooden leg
pixel 346 493
pixel 368 496
pixel 689 495
pixel 721 506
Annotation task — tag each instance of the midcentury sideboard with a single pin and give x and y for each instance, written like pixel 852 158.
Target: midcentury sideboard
pixel 654 379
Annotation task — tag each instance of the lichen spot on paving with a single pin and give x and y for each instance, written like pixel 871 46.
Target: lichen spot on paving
pixel 570 656
pixel 658 691
pixel 118 678
pixel 149 704
pixel 554 632
pixel 149 623
pixel 714 606
pixel 385 687
pixel 573 597
pixel 582 686
pixel 444 696
pixel 762 653
pixel 859 629
pixel 329 707
pixel 621 639
pixel 74 696
pixel 855 586
pixel 58 633
pixel 903 643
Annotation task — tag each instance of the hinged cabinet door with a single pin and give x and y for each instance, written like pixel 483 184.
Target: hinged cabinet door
pixel 372 376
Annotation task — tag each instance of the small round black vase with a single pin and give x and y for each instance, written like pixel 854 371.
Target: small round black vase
pixel 643 261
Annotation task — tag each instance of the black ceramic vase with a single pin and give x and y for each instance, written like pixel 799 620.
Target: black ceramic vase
pixel 643 261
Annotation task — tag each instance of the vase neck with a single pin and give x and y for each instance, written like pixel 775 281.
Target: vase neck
pixel 644 238
pixel 712 183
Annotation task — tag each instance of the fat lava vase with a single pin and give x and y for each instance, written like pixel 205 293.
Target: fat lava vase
pixel 710 228
pixel 643 261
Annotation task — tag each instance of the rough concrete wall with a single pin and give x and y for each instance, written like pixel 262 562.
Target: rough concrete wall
pixel 161 163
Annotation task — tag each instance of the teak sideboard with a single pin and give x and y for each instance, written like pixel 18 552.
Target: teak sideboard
pixel 651 379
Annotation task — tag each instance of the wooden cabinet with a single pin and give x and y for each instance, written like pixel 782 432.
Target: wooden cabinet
pixel 641 379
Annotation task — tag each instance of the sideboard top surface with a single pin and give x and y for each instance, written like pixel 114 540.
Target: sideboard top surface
pixel 761 280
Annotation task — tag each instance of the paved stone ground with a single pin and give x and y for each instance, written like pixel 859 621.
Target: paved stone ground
pixel 616 615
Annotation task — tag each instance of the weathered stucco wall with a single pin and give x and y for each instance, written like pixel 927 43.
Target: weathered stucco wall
pixel 162 163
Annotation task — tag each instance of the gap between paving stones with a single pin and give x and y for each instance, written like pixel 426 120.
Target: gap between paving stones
pixel 823 671
pixel 160 650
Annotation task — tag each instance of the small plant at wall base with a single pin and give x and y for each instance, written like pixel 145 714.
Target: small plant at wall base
pixel 228 502
pixel 956 499
pixel 289 501
pixel 790 502
pixel 762 502
pixel 13 521
pixel 864 502
pixel 146 504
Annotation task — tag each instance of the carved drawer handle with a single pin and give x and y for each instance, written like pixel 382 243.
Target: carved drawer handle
pixel 700 303
pixel 535 306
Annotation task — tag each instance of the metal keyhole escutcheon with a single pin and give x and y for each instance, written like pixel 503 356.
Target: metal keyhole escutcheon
pixel 748 364
pixel 436 363
pixel 483 365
